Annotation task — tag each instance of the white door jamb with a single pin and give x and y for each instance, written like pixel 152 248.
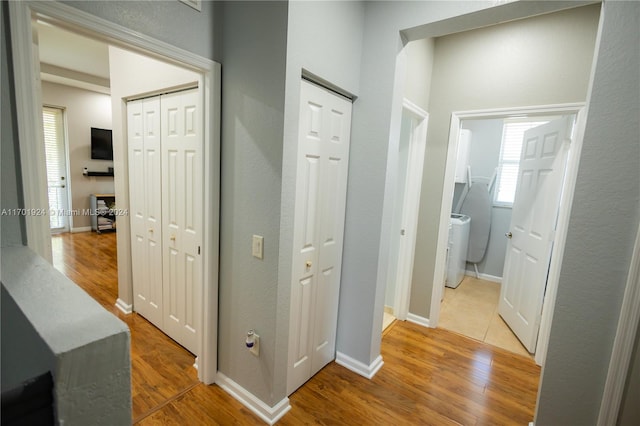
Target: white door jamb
pixel 623 344
pixel 410 209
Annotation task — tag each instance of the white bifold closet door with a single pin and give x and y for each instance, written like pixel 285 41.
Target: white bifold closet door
pixel 165 190
pixel 321 188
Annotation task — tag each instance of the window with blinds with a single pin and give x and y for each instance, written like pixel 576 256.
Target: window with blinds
pixel 56 165
pixel 509 163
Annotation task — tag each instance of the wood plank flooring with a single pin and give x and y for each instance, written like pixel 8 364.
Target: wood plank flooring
pixel 430 376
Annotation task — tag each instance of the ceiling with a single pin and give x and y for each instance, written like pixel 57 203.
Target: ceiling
pixel 72 59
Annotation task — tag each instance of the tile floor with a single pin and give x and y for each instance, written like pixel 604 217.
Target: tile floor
pixel 387 318
pixel 471 309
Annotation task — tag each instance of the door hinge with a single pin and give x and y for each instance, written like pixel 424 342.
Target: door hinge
pixel 198 249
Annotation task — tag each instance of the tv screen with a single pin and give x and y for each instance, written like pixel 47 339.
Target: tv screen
pixel 101 144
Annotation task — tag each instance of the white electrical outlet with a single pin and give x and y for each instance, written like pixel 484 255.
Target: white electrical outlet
pixel 257 246
pixel 255 350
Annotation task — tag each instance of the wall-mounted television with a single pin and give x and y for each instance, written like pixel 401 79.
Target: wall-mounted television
pixel 101 144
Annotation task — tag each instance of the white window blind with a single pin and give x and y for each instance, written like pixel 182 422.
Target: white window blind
pixel 55 158
pixel 509 164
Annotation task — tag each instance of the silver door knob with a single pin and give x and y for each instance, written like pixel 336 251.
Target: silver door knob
pixel 508 235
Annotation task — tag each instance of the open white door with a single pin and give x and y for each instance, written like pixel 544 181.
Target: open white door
pixel 321 189
pixel 533 222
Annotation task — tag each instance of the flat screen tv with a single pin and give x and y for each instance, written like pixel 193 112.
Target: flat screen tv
pixel 101 144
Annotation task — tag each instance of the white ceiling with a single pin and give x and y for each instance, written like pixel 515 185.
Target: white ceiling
pixel 67 50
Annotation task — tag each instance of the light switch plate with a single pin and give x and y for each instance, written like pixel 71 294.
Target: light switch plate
pixel 257 246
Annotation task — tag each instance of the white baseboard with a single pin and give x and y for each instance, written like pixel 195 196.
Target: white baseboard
pixel 416 319
pixel 268 414
pixel 358 367
pixel 124 307
pixel 485 277
pixel 80 229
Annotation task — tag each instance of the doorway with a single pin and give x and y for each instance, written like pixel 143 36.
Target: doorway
pixel 29 129
pixel 413 138
pixel 498 242
pixel 489 156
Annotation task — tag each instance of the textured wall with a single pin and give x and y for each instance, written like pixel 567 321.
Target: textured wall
pixel 602 229
pixel 12 230
pixel 63 330
pixel 253 78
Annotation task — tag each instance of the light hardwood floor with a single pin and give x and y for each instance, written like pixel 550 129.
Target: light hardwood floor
pixel 430 376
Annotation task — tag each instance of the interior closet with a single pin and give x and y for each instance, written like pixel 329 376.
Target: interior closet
pixel 165 144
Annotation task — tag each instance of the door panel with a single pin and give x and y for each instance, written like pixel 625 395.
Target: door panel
pixel 144 201
pixel 325 124
pixel 181 213
pixel 533 222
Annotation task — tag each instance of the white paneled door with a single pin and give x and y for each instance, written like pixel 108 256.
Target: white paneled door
pixel 182 215
pixel 145 203
pixel 321 186
pixel 165 190
pixel 532 231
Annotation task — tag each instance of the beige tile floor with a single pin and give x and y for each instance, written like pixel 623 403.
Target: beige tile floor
pixel 387 318
pixel 471 309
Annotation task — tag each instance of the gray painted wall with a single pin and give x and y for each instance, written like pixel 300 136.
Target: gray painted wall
pixel 419 68
pixel 602 229
pixel 253 84
pixel 169 21
pixel 518 63
pixel 68 333
pixel 629 409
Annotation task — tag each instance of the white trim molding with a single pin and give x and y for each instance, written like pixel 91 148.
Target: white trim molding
pixel 358 367
pixel 623 344
pixel 268 414
pixel 417 319
pixel 483 276
pixel 80 229
pixel 126 308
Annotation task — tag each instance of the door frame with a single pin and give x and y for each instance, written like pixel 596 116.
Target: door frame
pixel 411 207
pixel 29 118
pixel 564 211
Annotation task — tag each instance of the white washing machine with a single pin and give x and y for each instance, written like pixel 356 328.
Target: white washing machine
pixel 457 249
